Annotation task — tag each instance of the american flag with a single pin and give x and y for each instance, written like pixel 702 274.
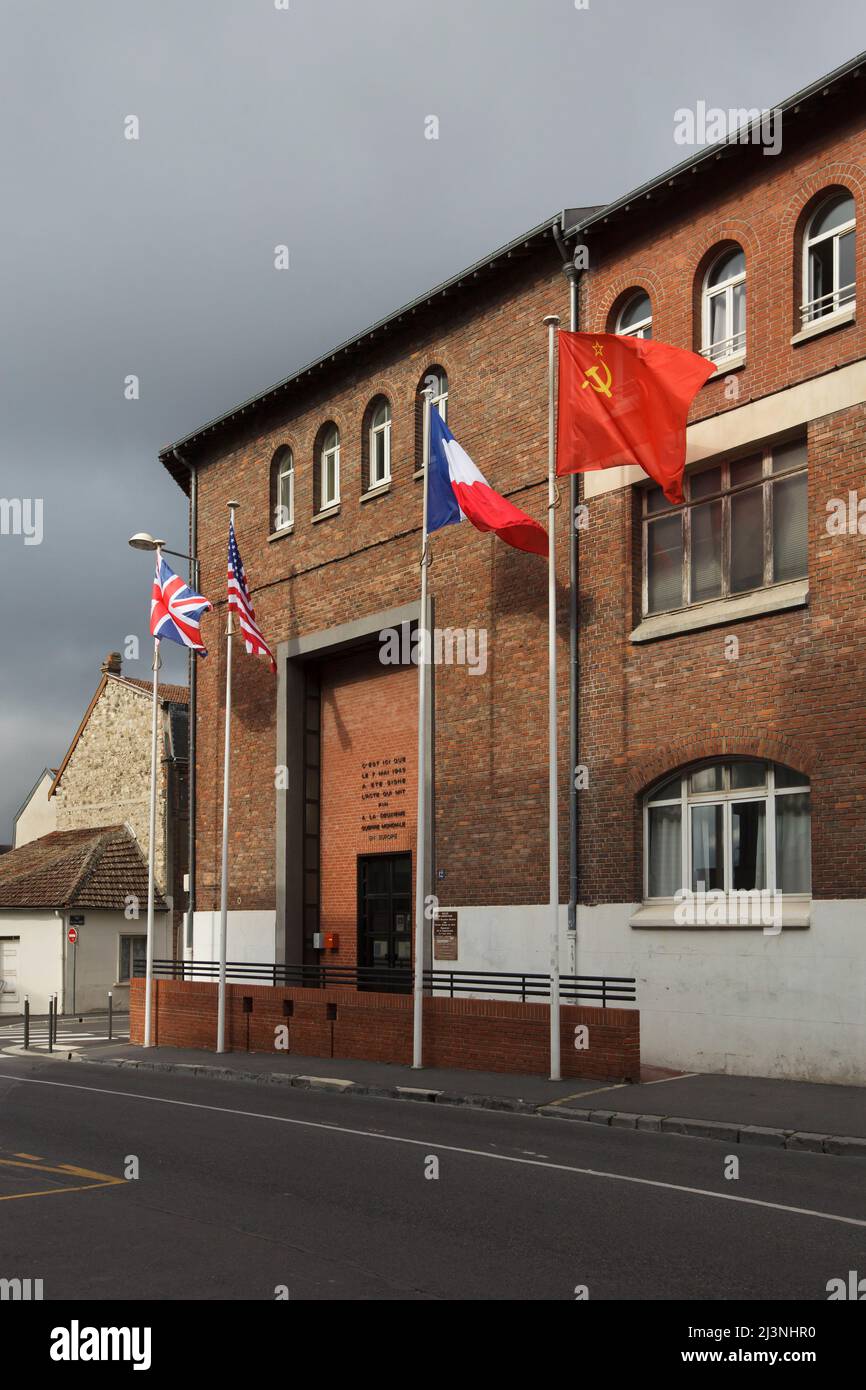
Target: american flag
pixel 241 603
pixel 176 610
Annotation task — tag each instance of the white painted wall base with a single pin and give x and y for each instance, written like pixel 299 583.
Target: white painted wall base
pixel 42 958
pixel 251 936
pixel 736 1001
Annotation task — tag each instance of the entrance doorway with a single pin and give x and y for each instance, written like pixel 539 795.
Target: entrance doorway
pixel 385 921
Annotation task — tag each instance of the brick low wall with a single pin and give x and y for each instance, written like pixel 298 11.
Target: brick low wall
pixel 476 1034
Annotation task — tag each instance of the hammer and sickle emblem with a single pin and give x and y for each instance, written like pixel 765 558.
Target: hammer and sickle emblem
pixel 599 385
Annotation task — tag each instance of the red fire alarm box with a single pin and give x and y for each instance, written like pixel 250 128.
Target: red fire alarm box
pixel 332 940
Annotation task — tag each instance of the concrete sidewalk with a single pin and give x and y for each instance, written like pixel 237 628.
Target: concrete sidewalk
pixel 734 1109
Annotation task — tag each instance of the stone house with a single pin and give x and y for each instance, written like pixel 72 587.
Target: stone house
pixel 102 786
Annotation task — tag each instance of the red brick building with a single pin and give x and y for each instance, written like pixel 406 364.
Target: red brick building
pixel 721 694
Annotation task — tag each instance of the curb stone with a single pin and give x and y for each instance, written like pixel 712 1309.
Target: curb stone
pixel 760 1134
pixel 799 1141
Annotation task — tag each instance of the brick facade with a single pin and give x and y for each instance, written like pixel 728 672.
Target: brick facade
pixel 491 732
pixel 794 693
pixel 369 781
pixel 797 692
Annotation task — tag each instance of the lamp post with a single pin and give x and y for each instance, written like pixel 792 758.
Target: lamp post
pixel 143 540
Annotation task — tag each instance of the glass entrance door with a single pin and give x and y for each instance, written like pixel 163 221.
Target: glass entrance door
pixel 385 921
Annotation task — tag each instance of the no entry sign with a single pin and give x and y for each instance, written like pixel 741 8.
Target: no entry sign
pixel 72 935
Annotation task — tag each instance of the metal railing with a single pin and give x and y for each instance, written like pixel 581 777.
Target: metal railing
pixel 517 984
pixel 823 305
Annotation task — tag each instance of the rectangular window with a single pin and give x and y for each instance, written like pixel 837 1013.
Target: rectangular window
pixel 748 845
pixel 665 851
pixel 133 957
pixel 708 862
pixel 380 470
pixel 742 527
pixel 286 500
pixel 330 478
pixel 793 843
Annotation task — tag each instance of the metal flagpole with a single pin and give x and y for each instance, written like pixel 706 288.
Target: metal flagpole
pixel 224 884
pixel 552 322
pixel 573 671
pixel 421 828
pixel 151 846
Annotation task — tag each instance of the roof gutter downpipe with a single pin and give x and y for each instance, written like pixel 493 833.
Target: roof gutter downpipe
pixel 193 691
pixel 572 274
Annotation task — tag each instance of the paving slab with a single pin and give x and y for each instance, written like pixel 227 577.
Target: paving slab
pixel 496 1089
pixel 801 1106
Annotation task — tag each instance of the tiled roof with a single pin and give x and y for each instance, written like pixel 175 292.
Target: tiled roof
pixel 94 868
pixel 175 694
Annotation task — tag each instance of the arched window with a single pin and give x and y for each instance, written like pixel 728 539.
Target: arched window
pixel 724 307
pixel 328 469
pixel 738 826
pixel 437 379
pixel 378 444
pixel 635 318
pixel 283 489
pixel 828 259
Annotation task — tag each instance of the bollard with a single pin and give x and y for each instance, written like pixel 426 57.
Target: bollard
pixel 109 1015
pixel 26 1021
pixel 51 1023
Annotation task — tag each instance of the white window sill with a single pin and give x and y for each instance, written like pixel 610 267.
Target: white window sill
pixel 796 914
pixel 418 475
pixel 284 531
pixel 326 512
pixel 730 364
pixel 378 491
pixel 723 610
pixel 825 325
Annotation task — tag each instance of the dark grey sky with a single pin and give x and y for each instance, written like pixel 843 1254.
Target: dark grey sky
pixel 262 126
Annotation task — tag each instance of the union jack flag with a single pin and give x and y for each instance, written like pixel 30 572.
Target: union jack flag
pixel 241 603
pixel 176 610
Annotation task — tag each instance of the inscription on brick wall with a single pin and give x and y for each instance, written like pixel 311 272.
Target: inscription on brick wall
pixel 383 798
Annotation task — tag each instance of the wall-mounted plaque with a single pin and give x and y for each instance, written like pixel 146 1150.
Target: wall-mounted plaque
pixel 445 933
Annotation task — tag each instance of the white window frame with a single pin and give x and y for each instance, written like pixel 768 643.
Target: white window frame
pixel 685 510
pixel 642 328
pixel 732 347
pixel 726 796
pixel 284 511
pixel 439 381
pixel 838 295
pixel 327 456
pixel 127 936
pixel 384 430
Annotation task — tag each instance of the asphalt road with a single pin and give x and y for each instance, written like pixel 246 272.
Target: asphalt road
pixel 245 1188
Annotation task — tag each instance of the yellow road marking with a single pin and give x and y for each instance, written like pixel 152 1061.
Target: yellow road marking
pixel 65 1170
pixel 35 1156
pixel 56 1191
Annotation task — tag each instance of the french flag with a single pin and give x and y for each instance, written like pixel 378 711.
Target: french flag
pixel 458 490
